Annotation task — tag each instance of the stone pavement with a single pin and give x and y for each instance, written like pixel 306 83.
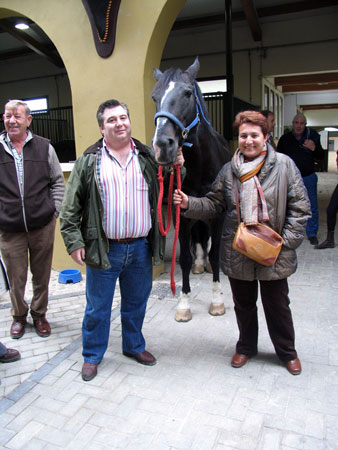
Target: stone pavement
pixel 192 399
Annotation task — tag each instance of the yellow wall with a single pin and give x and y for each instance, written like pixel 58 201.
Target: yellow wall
pixel 142 30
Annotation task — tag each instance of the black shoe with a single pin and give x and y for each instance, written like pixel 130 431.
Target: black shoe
pixel 329 241
pixel 313 240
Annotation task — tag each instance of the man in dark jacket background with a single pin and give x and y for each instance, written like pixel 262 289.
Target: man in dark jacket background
pixel 108 221
pixel 31 192
pixel 302 144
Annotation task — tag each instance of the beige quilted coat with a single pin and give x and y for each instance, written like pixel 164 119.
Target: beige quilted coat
pixel 288 207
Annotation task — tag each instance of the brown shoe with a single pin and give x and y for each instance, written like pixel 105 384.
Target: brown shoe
pixel 145 358
pixel 238 360
pixel 42 327
pixel 18 328
pixel 11 356
pixel 89 371
pixel 294 366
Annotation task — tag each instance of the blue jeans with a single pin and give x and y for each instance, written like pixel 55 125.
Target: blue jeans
pixel 311 185
pixel 3 349
pixel 132 264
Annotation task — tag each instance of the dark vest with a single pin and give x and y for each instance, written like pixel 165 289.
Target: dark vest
pixel 36 207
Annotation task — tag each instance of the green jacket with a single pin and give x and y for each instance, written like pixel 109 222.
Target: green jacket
pixel 81 214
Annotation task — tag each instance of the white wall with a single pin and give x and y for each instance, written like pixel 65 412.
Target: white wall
pixel 34 77
pixel 325 118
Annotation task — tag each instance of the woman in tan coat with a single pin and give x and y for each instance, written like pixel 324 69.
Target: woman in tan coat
pixel 276 196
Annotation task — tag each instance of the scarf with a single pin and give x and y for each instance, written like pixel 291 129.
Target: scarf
pixel 252 201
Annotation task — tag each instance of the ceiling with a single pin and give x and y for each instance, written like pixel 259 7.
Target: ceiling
pixel 16 43
pixel 196 13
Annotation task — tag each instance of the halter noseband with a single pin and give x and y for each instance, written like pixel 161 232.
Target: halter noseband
pixel 185 130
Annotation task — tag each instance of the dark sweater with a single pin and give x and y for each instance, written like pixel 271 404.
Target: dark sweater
pixel 303 157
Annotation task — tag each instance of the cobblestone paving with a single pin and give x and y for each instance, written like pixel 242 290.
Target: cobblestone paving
pixel 192 399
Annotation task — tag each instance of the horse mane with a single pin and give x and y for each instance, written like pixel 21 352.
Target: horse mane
pixel 202 102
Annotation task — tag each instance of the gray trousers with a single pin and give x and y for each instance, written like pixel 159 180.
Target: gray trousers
pixel 37 247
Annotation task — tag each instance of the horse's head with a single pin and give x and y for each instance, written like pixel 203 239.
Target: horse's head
pixel 175 98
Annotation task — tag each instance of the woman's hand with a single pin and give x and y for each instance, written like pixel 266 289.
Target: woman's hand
pixel 180 198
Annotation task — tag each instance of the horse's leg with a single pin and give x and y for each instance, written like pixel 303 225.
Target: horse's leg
pixel 199 240
pixel 217 307
pixel 183 313
pixel 208 267
pixel 198 265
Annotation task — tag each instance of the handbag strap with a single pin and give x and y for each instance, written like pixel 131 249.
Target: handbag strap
pixel 260 190
pixel 237 200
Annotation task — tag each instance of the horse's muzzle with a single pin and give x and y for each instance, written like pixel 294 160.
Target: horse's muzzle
pixel 165 156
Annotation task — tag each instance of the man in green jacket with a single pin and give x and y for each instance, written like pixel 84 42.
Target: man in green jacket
pixel 108 221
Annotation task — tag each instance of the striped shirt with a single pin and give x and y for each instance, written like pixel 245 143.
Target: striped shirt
pixel 125 197
pixel 18 157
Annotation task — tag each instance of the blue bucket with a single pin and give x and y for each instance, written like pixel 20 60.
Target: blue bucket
pixel 70 276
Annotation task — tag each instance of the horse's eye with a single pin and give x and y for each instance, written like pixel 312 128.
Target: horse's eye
pixel 188 94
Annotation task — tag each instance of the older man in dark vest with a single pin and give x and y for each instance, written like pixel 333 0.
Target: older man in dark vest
pixel 31 192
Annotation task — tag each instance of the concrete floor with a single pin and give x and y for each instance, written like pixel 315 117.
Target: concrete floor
pixel 192 398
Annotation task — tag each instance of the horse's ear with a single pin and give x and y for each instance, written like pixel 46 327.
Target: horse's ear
pixel 194 68
pixel 157 74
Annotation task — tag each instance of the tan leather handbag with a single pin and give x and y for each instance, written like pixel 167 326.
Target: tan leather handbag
pixel 258 242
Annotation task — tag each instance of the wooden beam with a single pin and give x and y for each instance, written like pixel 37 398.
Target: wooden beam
pixel 289 8
pixel 291 80
pixel 323 106
pixel 7 55
pixel 310 87
pixel 267 11
pixel 252 18
pixel 31 43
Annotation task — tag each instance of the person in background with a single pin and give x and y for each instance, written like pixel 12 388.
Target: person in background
pixel 8 355
pixel 109 221
pixel 271 190
pixel 302 145
pixel 270 118
pixel 331 218
pixel 31 192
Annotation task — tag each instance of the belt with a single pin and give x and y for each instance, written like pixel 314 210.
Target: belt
pixel 125 240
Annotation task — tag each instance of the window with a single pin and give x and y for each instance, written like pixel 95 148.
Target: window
pixel 272 99
pixel 37 104
pixel 209 86
pixel 266 97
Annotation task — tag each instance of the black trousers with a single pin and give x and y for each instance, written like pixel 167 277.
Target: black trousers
pixel 275 300
pixel 331 212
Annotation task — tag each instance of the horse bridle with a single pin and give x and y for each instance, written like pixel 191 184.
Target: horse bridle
pixel 185 130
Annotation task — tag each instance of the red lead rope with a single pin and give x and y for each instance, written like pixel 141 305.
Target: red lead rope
pixel 163 231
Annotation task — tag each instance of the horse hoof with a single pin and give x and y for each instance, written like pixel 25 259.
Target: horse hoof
pixel 217 309
pixel 208 267
pixel 197 269
pixel 183 315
